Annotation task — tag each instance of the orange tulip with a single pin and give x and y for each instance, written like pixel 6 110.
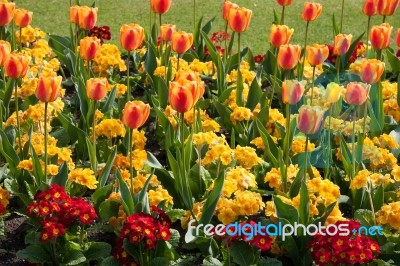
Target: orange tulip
pixel 280 35
pixel 380 36
pixel 192 81
pixel 356 93
pixel 131 36
pixel 239 19
pixel 181 41
pixel 5 50
pixel 284 2
pixel 311 11
pixel 226 7
pixel 87 17
pixel 310 119
pixel 398 38
pixel 370 7
pixel 292 91
pixel 88 47
pixel 289 56
pixel 22 18
pixel 160 6
pixel 6 13
pixel 96 88
pixel 371 70
pixel 180 97
pixel 135 114
pixel 74 14
pixel 317 54
pixel 387 7
pixel 16 65
pixel 48 88
pixel 342 44
pixel 166 31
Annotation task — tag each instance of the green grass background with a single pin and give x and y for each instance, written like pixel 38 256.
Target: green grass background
pixel 52 16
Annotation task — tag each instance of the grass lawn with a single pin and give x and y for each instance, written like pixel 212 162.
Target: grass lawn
pixel 53 17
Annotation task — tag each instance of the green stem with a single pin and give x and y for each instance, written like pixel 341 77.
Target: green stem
pixel 177 64
pixel 353 153
pixel 368 25
pixel 194 13
pixel 273 81
pixel 341 18
pixel 12 37
pixel 226 46
pixel 338 68
pixel 283 15
pixel 20 39
pixel 45 141
pixel 128 95
pixel 329 142
pixel 17 116
pixel 81 235
pixel 94 137
pixel 304 51
pixel 239 51
pixel 130 158
pixel 306 162
pixel 371 202
pixel 161 42
pixel 287 147
pixel 384 19
pixel 312 85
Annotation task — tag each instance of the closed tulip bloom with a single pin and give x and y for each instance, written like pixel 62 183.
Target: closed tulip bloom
pixel 226 7
pixel 96 88
pixel 88 47
pixel 183 95
pixel 6 13
pixel 74 14
pixel 292 91
pixel 310 119
pixel 16 65
pixel 284 2
pixel 5 50
pixel 87 17
pixel 311 11
pixel 289 56
pixel 22 18
pixel 333 92
pixel 370 7
pixel 131 36
pixel 342 43
pixel 239 19
pixel 48 88
pixel 135 114
pixel 280 35
pixel 181 41
pixel 356 93
pixel 166 32
pixel 317 54
pixel 372 70
pixel 398 38
pixel 160 6
pixel 380 36
pixel 387 7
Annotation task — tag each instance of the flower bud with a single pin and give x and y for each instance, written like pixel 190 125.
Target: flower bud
pixel 310 119
pixel 284 2
pixel 311 11
pixel 356 93
pixel 180 97
pixel 292 91
pixel 333 92
pixel 370 7
pixel 5 50
pixel 387 7
pixel 135 114
pixel 239 19
pixel 289 56
pixel 88 47
pixel 226 7
pixel 7 11
pixel 280 35
pixel 96 88
pixel 317 54
pixel 74 14
pixel 380 36
pixel 181 41
pixel 16 65
pixel 398 38
pixel 160 6
pixel 22 18
pixel 372 70
pixel 87 17
pixel 166 32
pixel 131 36
pixel 342 44
pixel 48 88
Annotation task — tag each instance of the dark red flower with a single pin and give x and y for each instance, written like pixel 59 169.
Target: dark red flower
pixel 103 33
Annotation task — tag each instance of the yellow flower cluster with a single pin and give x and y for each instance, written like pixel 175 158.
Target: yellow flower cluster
pixel 274 177
pixel 118 221
pixel 203 68
pixel 240 114
pixel 299 145
pixel 247 74
pixel 108 57
pixel 197 208
pixel 27 165
pixel 4 197
pixel 231 100
pixel 365 177
pixel 29 35
pixel 246 157
pixel 237 179
pixel 346 127
pixel 385 141
pixel 355 67
pixel 158 195
pixel 218 149
pixel 275 117
pixel 110 128
pixel 390 105
pixel 84 177
pixel 120 89
pixel 389 214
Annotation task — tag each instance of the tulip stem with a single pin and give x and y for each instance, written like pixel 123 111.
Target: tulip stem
pixel 371 202
pixel 329 142
pixel 338 68
pixel 238 51
pixel 384 19
pixel 45 141
pixel 226 47
pixel 306 161
pixel 368 25
pixel 194 14
pixel 177 64
pixel 17 116
pixel 130 158
pixel 94 137
pixel 341 18
pixel 20 39
pixel 128 95
pixel 273 82
pixel 282 16
pixel 353 155
pixel 304 51
pixel 151 12
pixel 312 85
pixel 284 181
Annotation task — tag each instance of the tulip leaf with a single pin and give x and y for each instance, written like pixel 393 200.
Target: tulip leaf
pixel 104 174
pixel 352 48
pixel 7 95
pixel 285 211
pixel 62 176
pixel 304 203
pixel 334 25
pixel 393 60
pixel 270 147
pixel 239 89
pixel 162 91
pixel 37 168
pixel 150 63
pixel 269 64
pixel 92 153
pixel 126 196
pixel 107 107
pixel 379 197
pixel 254 95
pixel 398 90
pixel 9 153
pixel 296 184
pixel 212 200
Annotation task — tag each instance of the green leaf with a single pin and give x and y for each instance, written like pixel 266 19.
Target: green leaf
pixel 267 261
pixel 159 261
pixel 393 60
pixel 254 95
pixel 7 94
pixel 108 209
pixel 97 251
pixel 9 153
pixel 101 194
pixel 270 147
pixel 242 253
pixel 352 47
pixel 37 168
pixel 379 197
pixel 109 261
pixel 126 196
pixel 142 196
pixel 210 261
pixel 239 89
pixel 92 153
pixel 304 203
pixel 104 174
pixel 297 182
pixel 35 254
pixel 73 257
pixel 212 200
pixel 62 176
pixel 107 107
pixel 150 63
pixel 285 211
pixel 175 214
pixel 269 63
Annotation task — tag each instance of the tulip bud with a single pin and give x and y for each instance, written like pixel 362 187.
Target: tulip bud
pixel 289 56
pixel 371 70
pixel 166 32
pixel 22 18
pixel 292 91
pixel 239 19
pixel 380 36
pixel 342 44
pixel 48 88
pixel 88 47
pixel 226 7
pixel 135 114
pixel 311 11
pixel 356 93
pixel 284 2
pixel 131 36
pixel 387 7
pixel 181 41
pixel 180 97
pixel 87 17
pixel 74 14
pixel 317 54
pixel 6 13
pixel 370 7
pixel 333 92
pixel 310 119
pixel 280 35
pixel 96 88
pixel 16 65
pixel 160 6
pixel 398 38
pixel 5 50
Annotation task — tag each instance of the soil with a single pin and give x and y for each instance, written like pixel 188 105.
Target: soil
pixel 13 241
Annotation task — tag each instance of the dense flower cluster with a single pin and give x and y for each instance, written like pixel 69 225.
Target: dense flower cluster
pixel 103 33
pixel 350 249
pixel 56 211
pixel 4 196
